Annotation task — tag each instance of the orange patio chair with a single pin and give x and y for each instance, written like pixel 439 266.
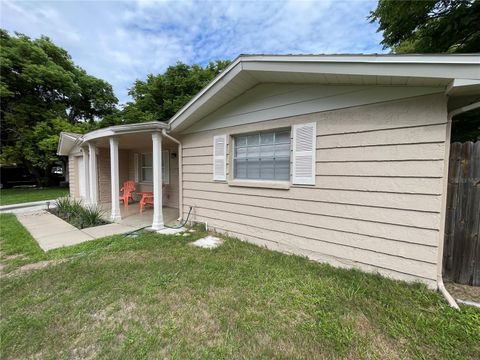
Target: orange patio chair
pixel 147 199
pixel 127 190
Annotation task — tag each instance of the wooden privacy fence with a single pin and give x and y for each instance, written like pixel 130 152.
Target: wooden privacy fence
pixel 461 260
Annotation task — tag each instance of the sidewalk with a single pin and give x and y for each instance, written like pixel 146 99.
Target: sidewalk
pixel 51 232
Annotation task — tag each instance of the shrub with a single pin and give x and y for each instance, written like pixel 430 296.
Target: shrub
pixel 91 215
pixel 80 216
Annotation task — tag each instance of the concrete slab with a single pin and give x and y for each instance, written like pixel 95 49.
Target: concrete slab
pixel 68 238
pixel 107 230
pixel 170 231
pixel 51 232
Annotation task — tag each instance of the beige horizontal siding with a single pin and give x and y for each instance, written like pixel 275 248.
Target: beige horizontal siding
pixel 377 199
pixel 428 151
pixel 264 102
pixel 406 201
pixel 357 226
pixel 421 219
pixel 401 185
pixel 417 168
pixel 433 151
pixel 303 237
pixel 418 134
pixel 285 245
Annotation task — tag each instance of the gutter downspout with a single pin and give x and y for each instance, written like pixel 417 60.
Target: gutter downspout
pixel 440 284
pixel 180 173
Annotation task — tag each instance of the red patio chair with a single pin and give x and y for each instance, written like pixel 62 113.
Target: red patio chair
pixel 127 191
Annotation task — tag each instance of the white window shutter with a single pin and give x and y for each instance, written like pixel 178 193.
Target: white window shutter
pixel 304 149
pixel 136 167
pixel 220 157
pixel 166 166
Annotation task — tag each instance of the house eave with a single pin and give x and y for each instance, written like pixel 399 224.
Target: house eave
pixel 69 140
pixel 152 126
pixel 247 70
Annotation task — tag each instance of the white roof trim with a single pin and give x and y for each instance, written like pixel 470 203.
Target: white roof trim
pixel 423 66
pixel 126 129
pixel 69 140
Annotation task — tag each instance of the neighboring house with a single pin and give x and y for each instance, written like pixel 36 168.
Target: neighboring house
pixel 343 159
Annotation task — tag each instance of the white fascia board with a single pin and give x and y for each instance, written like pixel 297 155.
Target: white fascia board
pixel 373 58
pixel 126 129
pixel 419 70
pixel 67 142
pixel 214 86
pixel 463 86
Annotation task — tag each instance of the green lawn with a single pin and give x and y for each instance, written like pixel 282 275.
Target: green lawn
pixel 22 195
pixel 156 296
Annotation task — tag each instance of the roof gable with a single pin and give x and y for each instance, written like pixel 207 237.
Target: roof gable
pixel 250 70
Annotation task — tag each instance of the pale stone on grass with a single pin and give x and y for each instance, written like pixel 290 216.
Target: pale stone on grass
pixel 209 242
pixel 171 231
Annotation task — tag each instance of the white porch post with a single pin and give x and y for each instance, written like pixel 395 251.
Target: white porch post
pixel 157 181
pixel 86 165
pixel 115 179
pixel 93 174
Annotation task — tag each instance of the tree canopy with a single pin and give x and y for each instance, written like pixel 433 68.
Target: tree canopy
pixel 43 92
pixel 430 26
pixel 160 96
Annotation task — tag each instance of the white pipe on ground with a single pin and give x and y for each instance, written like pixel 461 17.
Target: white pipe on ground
pixel 180 174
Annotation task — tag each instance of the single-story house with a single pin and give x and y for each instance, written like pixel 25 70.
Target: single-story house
pixel 340 158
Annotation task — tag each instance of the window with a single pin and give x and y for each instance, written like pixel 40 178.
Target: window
pixel 262 156
pixel 146 167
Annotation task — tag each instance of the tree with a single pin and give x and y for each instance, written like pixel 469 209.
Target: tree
pixel 159 97
pixel 434 26
pixel 431 26
pixel 42 92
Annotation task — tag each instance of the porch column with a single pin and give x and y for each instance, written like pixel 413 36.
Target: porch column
pixel 93 173
pixel 115 179
pixel 85 180
pixel 157 181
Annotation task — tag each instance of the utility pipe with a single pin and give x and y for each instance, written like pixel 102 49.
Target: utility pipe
pixel 180 173
pixel 441 242
pixel 440 284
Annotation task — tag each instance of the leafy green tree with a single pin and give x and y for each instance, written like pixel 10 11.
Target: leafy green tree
pixel 434 26
pixel 431 26
pixel 159 97
pixel 42 93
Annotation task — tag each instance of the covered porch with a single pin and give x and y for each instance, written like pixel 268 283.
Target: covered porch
pixel 131 216
pixel 142 155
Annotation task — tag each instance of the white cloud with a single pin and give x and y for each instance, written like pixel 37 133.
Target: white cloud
pixel 123 41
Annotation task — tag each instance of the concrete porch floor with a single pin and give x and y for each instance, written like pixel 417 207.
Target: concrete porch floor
pixel 131 216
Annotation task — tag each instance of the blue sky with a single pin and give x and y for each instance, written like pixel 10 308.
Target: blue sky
pixel 121 41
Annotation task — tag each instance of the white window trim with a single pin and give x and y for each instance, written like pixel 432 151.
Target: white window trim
pixel 264 183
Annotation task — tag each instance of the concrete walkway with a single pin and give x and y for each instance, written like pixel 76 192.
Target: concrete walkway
pixel 51 232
